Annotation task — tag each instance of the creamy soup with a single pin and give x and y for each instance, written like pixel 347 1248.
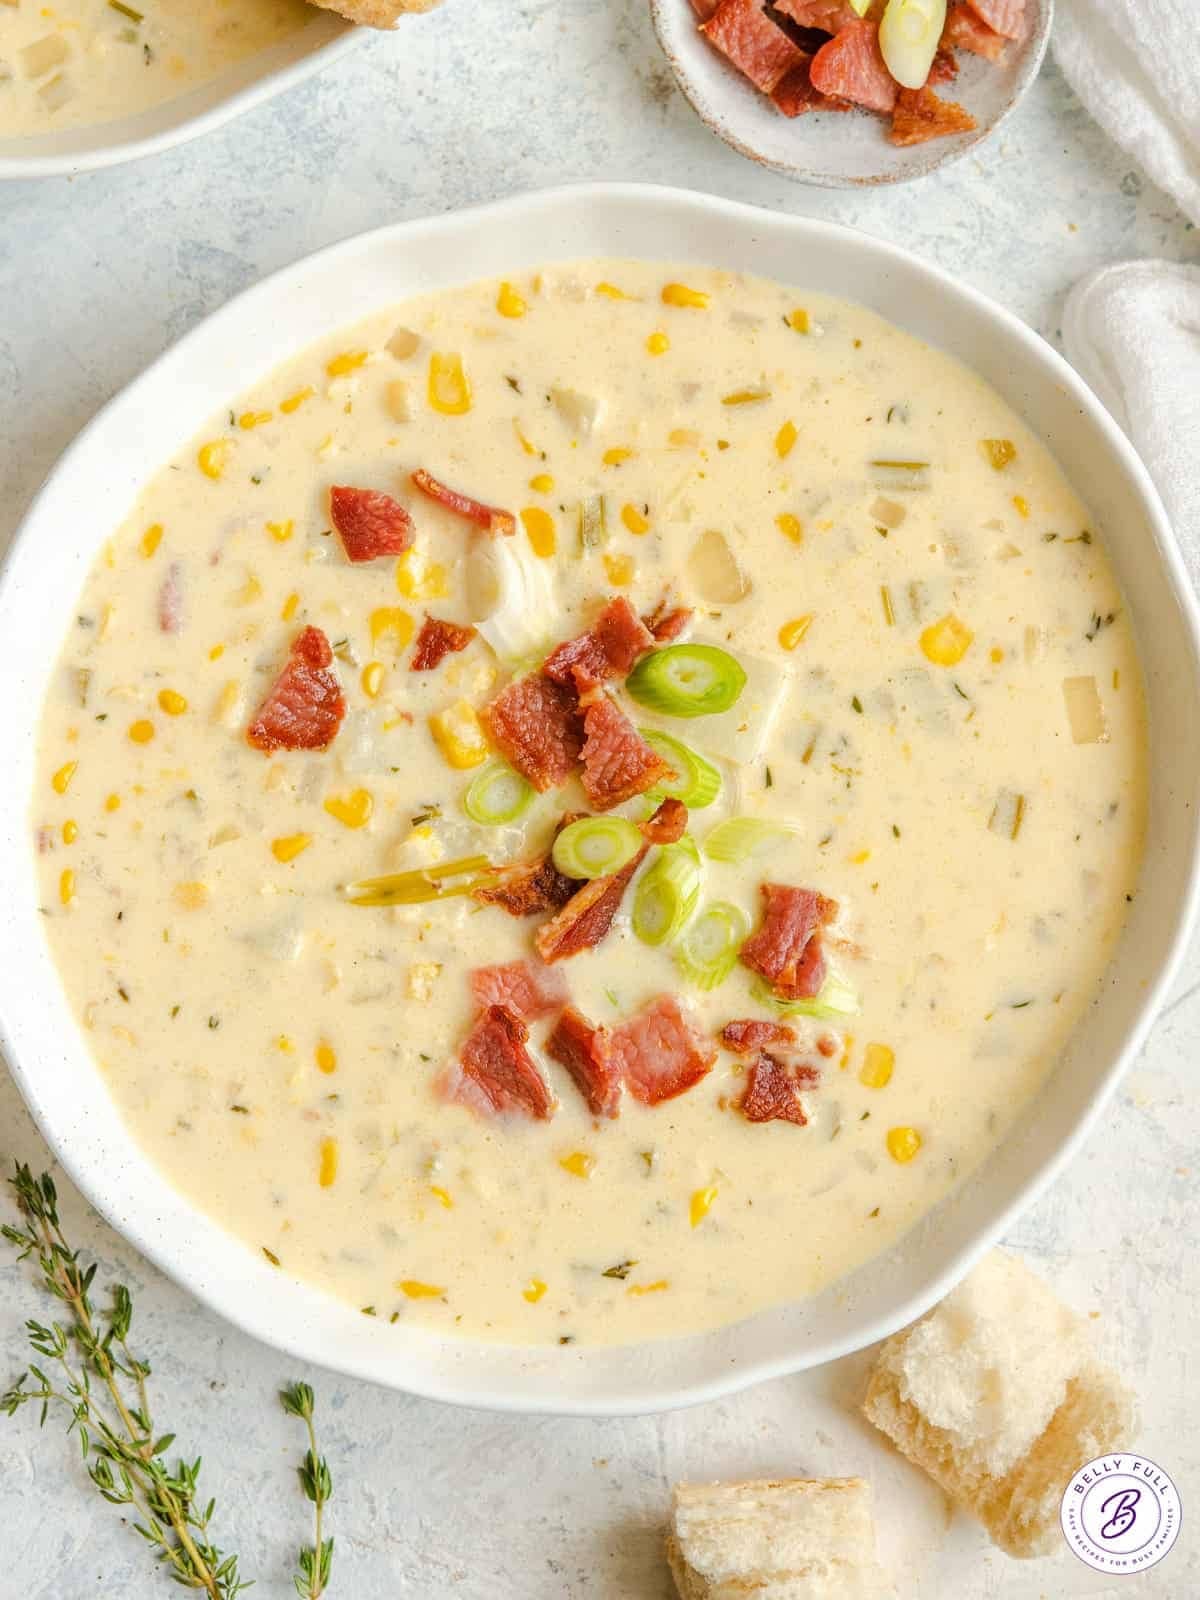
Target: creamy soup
pixel 74 64
pixel 937 732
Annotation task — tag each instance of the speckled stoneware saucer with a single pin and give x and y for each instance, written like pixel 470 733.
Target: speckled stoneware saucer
pixel 839 150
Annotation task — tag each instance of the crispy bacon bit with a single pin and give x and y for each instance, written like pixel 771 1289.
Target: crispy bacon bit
pixel 830 16
pixel 746 1036
pixel 170 600
pixel 305 707
pixel 666 622
pixel 607 650
pixel 660 1053
pixel 495 1073
pixel 965 31
pixel 617 761
pixel 944 68
pixel 786 949
pixel 532 886
pixel 369 523
pixel 852 67
pixel 528 990
pixel 920 114
pixel 436 640
pixel 537 727
pixel 583 1050
pixel 773 1090
pixel 668 824
pixel 828 1045
pixel 490 518
pixel 756 46
pixel 587 915
pixel 794 93
pixel 1005 17
pixel 704 8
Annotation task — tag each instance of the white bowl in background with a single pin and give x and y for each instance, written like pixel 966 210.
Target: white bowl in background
pixel 240 88
pixel 840 150
pixel 91 491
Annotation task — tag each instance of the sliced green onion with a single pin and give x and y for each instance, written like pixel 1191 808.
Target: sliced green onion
pixel 593 523
pixel 447 879
pixel 126 11
pixel 594 847
pixel 709 947
pixel 836 999
pixel 687 680
pixel 742 838
pixel 697 782
pixel 667 896
pixel 909 34
pixel 497 795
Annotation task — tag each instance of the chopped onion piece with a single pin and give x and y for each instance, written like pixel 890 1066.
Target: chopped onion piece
pixel 909 33
pixel 1007 814
pixel 902 476
pixel 1084 711
pixel 44 54
pixel 593 523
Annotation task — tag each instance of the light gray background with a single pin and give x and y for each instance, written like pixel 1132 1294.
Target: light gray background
pixel 482 99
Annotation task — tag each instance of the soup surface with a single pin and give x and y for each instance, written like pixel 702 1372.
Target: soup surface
pixel 936 739
pixel 89 61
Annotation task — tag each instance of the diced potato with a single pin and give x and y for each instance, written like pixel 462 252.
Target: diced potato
pixel 715 571
pixel 44 54
pixel 1085 713
pixel 582 413
pixel 422 976
pixel 403 343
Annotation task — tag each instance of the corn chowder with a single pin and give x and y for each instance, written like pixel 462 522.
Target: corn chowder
pixel 89 61
pixel 581 807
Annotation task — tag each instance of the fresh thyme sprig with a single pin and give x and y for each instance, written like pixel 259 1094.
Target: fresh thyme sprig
pixel 315 1560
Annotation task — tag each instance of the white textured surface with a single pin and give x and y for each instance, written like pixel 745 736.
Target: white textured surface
pixel 96 276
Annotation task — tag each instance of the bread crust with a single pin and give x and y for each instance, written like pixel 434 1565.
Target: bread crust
pixel 375 13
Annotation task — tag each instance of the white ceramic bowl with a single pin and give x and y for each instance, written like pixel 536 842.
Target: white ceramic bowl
pixel 833 149
pixel 260 77
pixel 89 493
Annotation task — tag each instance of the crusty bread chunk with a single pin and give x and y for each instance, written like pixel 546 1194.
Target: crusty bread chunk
pixel 375 13
pixel 800 1539
pixel 997 1394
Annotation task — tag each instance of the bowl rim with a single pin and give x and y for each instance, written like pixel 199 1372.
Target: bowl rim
pixel 261 88
pixel 942 153
pixel 629 1396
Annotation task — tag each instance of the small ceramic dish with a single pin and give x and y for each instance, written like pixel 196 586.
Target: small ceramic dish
pixel 842 151
pixel 241 88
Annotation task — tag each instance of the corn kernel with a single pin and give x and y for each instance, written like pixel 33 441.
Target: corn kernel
pixel 250 591
pixel 254 419
pixel 579 1164
pixel 326 1058
pixel 141 732
pixel 418 578
pixel 656 1287
pixel 290 607
pixel 509 303
pixel 619 569
pixel 995 654
pixel 218 650
pixel 172 702
pixel 372 678
pixel 542 483
pixel 327 1171
pixel 414 1289
pixel 349 361
pixel 615 456
pixel 946 642
pixel 701 1204
pixel 785 439
pixel 611 292
pixel 295 401
pixel 658 344
pixel 1000 452
pixel 66 887
pixel 353 810
pixel 458 735
pixel 746 397
pixel 878 1062
pixel 289 845
pixel 526 443
pixel 281 531
pixel 394 625
pixel 793 632
pixel 533 1291
pixel 539 530
pixel 442 1196
pixel 903 1143
pixel 113 803
pixel 70 831
pixel 449 388
pixel 61 781
pixel 860 858
pixel 284 1043
pixel 1021 504
pixel 634 520
pixel 151 539
pixel 798 320
pixel 678 294
pixel 790 527
pixel 190 896
pixel 213 457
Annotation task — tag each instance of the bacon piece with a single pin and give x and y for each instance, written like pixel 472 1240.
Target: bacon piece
pixel 830 16
pixel 828 1045
pixel 490 518
pixel 617 761
pixel 944 68
pixel 305 707
pixel 170 600
pixel 529 991
pixel 965 31
pixel 746 1036
pixel 537 726
pixel 704 8
pixel 666 622
pixel 587 915
pixel 1006 17
pixel 668 824
pixel 794 93
pixel 369 523
pixel 851 66
pixel 532 886
pixel 609 648
pixel 583 1050
pixel 495 1073
pixel 660 1053
pixel 437 640
pixel 920 114
pixel 756 46
pixel 786 949
pixel 773 1090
